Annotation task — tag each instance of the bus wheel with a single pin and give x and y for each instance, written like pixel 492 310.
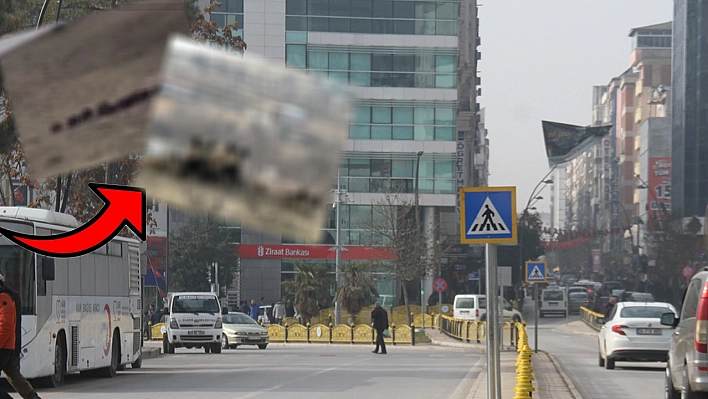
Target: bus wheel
pixel 110 371
pixel 57 379
pixel 138 363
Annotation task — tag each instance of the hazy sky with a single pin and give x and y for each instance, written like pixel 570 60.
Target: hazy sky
pixel 540 60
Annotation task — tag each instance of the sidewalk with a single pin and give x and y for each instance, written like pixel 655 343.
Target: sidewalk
pixel 550 381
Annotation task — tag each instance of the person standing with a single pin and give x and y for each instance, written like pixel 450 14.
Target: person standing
pixel 254 310
pixel 279 312
pixel 379 317
pixel 609 308
pixel 11 342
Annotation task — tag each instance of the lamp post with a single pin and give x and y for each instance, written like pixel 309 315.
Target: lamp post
pixel 417 229
pixel 534 196
pixel 340 196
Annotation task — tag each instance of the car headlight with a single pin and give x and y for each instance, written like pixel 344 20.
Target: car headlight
pixel 173 324
pixel 264 332
pixel 218 323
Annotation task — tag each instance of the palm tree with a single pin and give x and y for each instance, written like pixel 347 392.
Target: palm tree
pixel 309 289
pixel 357 290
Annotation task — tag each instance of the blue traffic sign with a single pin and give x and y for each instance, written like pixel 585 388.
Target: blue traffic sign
pixel 488 215
pixel 536 272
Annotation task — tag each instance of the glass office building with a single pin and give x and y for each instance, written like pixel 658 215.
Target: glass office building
pixel 412 65
pixel 689 158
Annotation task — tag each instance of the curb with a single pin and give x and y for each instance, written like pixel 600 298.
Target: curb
pixel 149 353
pixel 568 383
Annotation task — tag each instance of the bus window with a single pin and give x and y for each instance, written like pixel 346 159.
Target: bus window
pixel 17 265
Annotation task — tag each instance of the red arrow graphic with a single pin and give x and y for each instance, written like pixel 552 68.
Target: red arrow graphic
pixel 124 206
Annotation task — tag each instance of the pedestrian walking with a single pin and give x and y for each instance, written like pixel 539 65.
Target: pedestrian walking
pixel 254 310
pixel 279 312
pixel 269 313
pixel 379 317
pixel 11 342
pixel 609 308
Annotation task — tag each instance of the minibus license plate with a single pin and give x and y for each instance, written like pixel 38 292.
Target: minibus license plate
pixel 195 332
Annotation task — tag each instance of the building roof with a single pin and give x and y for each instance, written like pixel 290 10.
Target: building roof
pixel 661 26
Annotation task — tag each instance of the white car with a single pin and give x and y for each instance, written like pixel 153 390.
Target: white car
pixel 240 329
pixel 633 332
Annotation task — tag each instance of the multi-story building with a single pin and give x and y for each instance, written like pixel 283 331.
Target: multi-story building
pixel 557 212
pixel 689 143
pixel 412 65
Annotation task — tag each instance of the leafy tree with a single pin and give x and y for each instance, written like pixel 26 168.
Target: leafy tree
pixel 673 247
pixel 200 243
pixel 309 290
pixel 358 288
pixel 394 226
pixel 529 230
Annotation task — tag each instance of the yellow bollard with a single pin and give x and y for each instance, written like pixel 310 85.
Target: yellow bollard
pixel 520 393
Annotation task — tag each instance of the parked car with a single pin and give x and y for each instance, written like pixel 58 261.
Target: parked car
pixel 240 329
pixel 474 307
pixel 510 314
pixel 633 332
pixel 575 301
pixel 687 364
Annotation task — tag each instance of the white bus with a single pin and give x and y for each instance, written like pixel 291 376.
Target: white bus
pixel 78 314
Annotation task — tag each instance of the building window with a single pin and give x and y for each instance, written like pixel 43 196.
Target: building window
pixel 378 16
pixel 403 123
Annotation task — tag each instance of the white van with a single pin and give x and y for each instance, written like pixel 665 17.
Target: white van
pixel 474 307
pixel 554 301
pixel 469 307
pixel 192 320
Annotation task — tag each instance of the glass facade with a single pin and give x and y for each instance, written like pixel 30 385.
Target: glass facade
pixel 403 123
pixel 373 16
pixel 397 175
pixel 369 68
pixel 230 12
pixel 689 178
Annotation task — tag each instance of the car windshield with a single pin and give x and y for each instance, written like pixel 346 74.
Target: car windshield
pixel 237 319
pixel 553 296
pixel 195 304
pixel 644 312
pixel 465 303
pixel 642 297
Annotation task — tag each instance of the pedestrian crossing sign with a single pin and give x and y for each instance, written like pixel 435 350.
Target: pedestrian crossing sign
pixel 536 272
pixel 488 215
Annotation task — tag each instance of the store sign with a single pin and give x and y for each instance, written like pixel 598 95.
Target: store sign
pixel 278 251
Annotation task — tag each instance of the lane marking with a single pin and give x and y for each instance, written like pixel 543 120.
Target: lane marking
pixel 469 382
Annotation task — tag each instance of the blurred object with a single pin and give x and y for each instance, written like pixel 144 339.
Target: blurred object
pixel 247 140
pixel 89 82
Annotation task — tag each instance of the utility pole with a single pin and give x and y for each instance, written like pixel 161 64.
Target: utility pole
pixel 417 227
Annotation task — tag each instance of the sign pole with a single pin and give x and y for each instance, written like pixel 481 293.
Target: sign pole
pixel 493 369
pixel 535 317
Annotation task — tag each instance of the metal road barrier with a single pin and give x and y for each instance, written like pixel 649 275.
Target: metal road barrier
pixel 476 331
pixel 590 317
pixel 341 333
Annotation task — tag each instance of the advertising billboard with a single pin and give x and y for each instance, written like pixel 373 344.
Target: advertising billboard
pixel 659 195
pixel 564 142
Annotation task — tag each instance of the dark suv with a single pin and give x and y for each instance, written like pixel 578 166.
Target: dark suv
pixel 687 365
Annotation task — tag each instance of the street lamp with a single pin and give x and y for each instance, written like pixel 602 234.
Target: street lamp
pixel 534 196
pixel 417 228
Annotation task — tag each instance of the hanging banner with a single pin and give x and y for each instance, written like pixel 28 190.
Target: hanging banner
pixel 596 260
pixel 659 196
pixel 565 142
